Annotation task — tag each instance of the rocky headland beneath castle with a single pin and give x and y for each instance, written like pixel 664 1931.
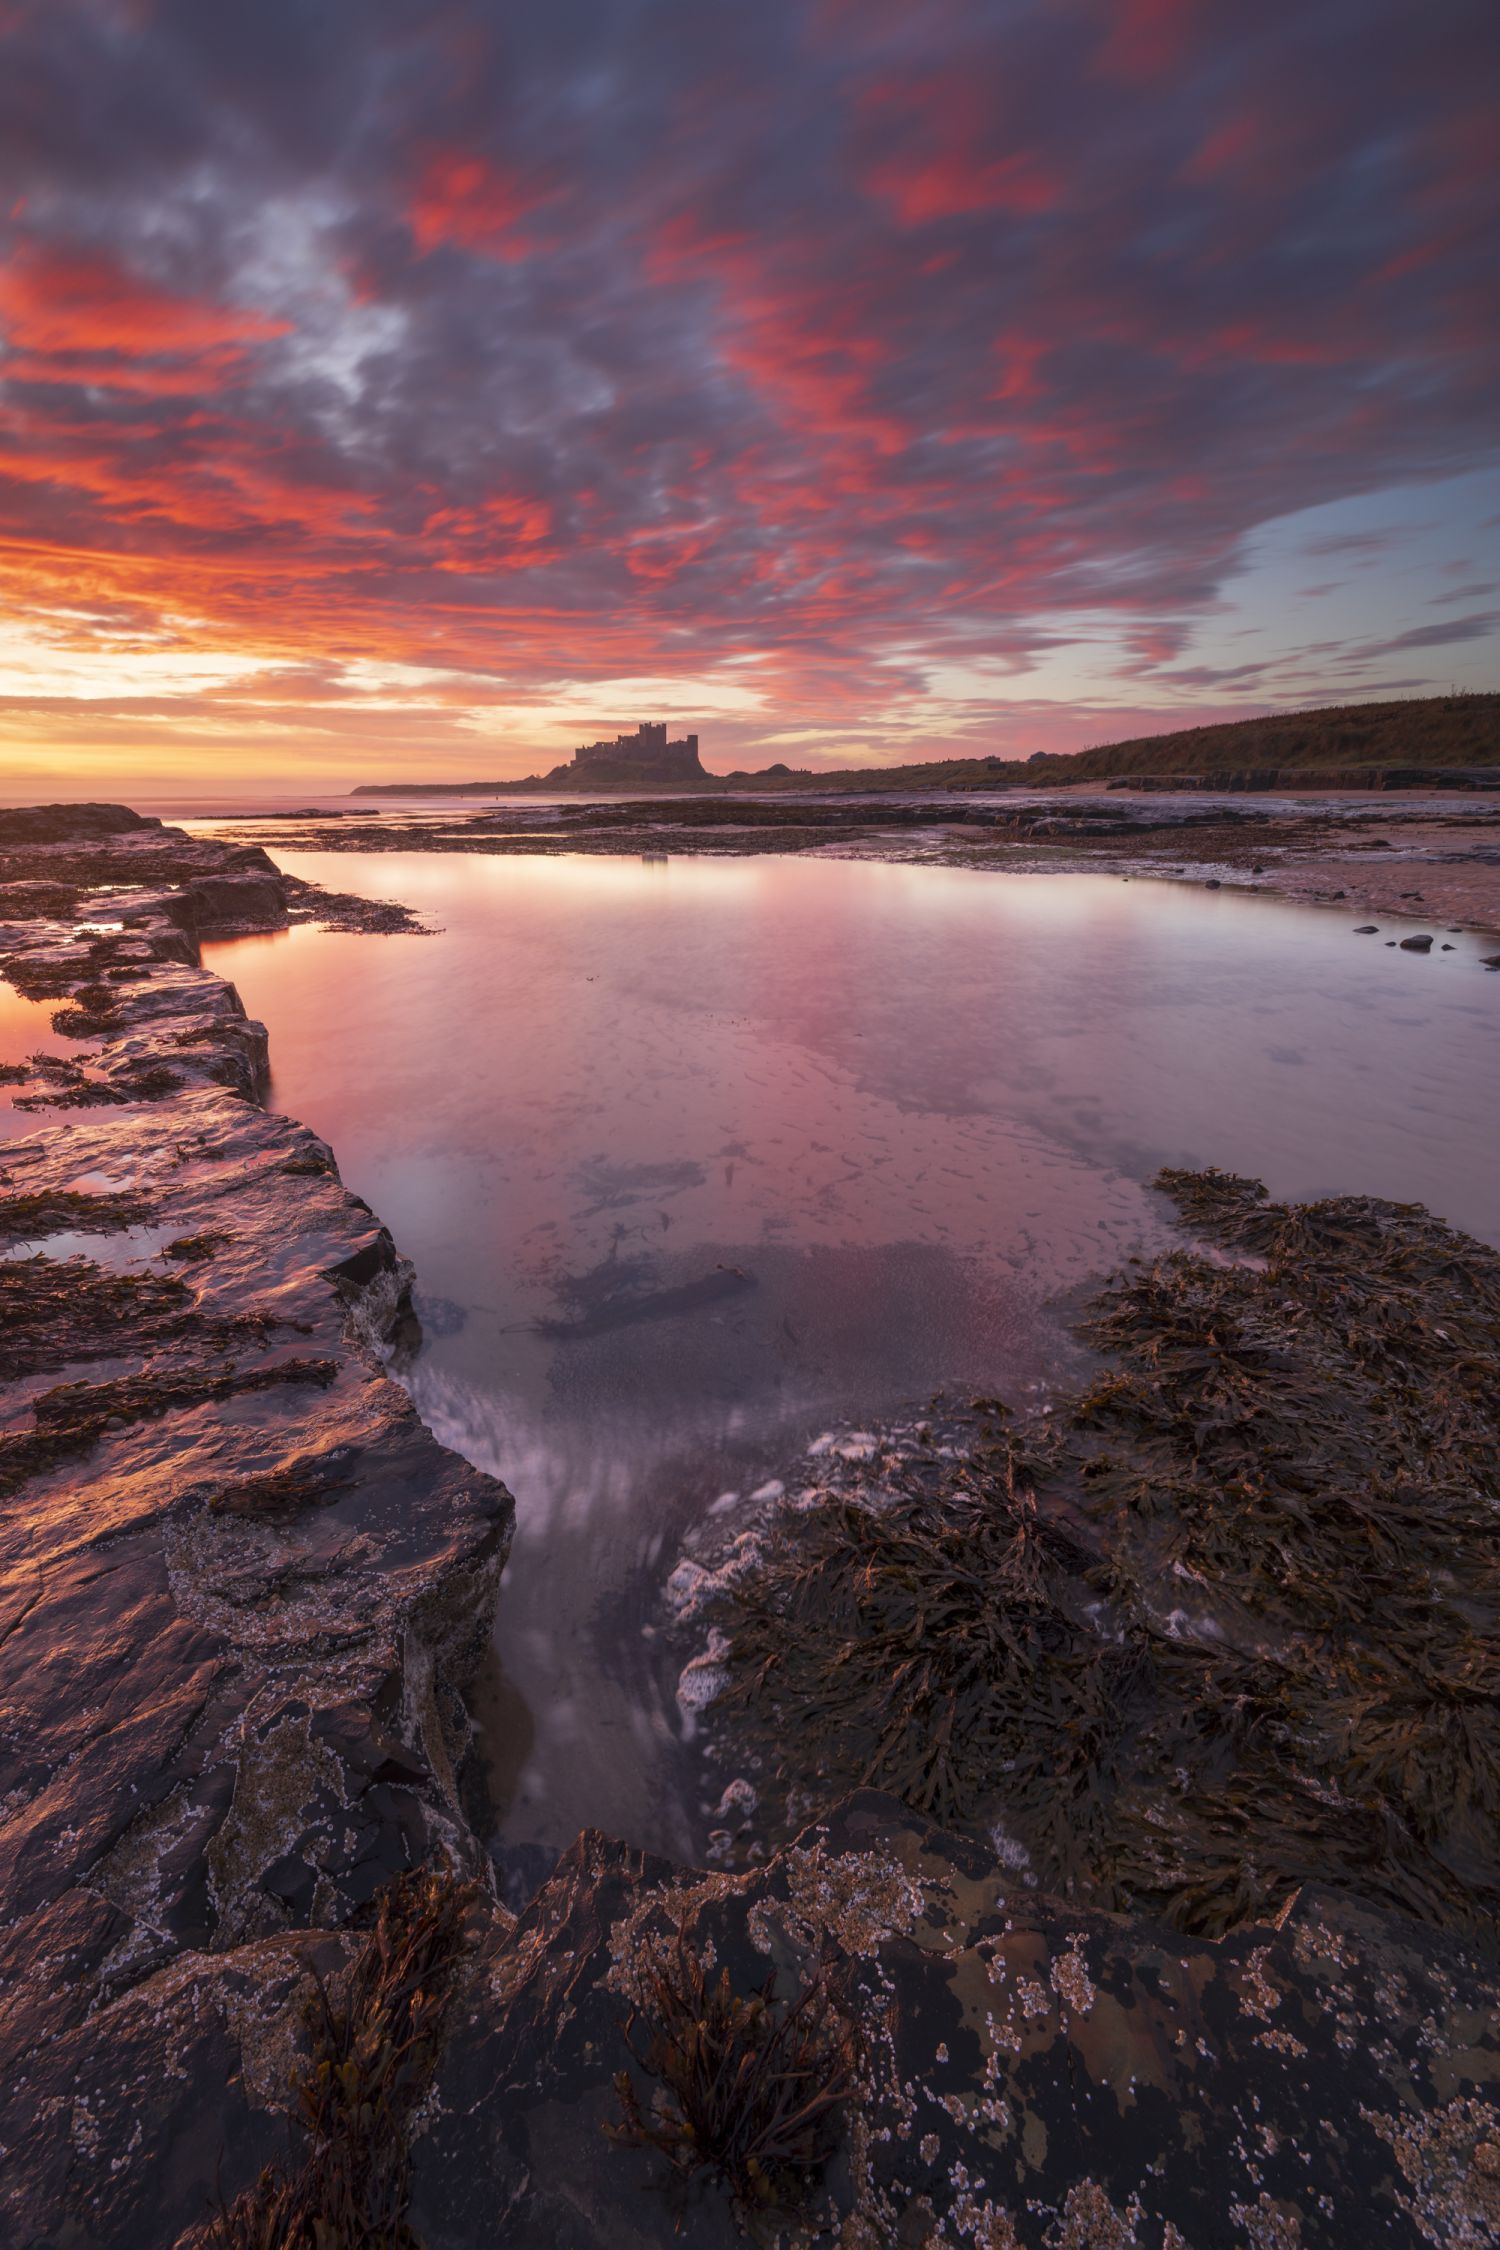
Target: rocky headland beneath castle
pixel 257 1976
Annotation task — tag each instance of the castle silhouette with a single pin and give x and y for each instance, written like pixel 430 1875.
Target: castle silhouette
pixel 645 755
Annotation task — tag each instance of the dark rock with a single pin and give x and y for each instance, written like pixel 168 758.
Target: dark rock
pixel 1416 944
pixel 1034 2074
pixel 242 1588
pixel 220 903
pixel 1368 929
pixel 66 824
pixel 128 2111
pixel 1213 884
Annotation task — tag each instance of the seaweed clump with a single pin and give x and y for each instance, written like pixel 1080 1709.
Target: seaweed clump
pixel 374 2049
pixel 193 1249
pixel 72 1417
pixel 748 2088
pixel 29 1218
pixel 57 1310
pixel 74 1089
pixel 1225 1622
pixel 93 1012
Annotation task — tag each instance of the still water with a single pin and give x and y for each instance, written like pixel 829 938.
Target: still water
pixel 697 1159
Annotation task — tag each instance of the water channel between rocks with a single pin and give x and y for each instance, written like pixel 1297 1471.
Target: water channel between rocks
pixel 698 1160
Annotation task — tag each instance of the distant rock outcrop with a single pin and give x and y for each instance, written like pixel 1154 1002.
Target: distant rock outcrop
pixel 67 824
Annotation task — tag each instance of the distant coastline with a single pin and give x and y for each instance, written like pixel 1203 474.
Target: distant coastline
pixel 1440 741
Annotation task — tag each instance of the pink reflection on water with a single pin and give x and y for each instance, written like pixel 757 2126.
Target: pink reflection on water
pixel 698 1157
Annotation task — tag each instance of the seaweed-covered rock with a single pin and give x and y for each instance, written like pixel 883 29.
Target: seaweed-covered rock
pixel 1224 1623
pixel 1026 2073
pixel 1031 2074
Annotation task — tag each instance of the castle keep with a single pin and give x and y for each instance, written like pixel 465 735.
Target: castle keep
pixel 645 755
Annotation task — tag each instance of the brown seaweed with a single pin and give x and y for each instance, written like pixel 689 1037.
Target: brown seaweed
pixel 375 2042
pixel 748 2087
pixel 30 1218
pixel 1225 1622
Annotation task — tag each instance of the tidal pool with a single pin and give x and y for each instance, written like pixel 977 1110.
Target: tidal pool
pixel 26 1030
pixel 699 1158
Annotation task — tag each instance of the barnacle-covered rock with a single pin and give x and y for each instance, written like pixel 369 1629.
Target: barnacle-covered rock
pixel 1031 2074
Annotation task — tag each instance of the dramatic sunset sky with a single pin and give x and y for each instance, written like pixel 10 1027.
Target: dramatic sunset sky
pixel 402 387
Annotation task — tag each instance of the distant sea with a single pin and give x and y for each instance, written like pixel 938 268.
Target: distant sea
pixel 245 805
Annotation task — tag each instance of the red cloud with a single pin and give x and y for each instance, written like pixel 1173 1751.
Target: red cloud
pixel 60 301
pixel 934 148
pixel 945 186
pixel 1147 38
pixel 840 328
pixel 1228 148
pixel 503 532
pixel 807 348
pixel 469 203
